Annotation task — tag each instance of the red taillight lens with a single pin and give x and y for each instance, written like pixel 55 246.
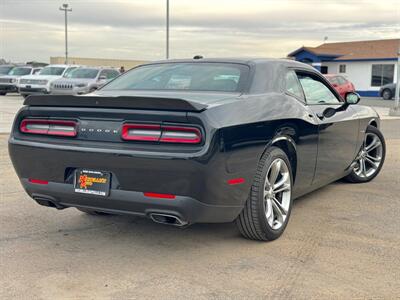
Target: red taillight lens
pixel 49 127
pixel 161 133
pixel 38 181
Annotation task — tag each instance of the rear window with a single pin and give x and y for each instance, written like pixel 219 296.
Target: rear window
pixel 221 77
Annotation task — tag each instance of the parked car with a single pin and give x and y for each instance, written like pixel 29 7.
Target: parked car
pixel 341 84
pixel 40 84
pixel 9 82
pixel 5 69
pixel 194 141
pixel 387 91
pixel 83 80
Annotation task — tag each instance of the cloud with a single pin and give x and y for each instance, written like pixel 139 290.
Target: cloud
pixel 135 29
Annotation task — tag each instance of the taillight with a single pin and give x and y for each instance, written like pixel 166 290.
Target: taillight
pixel 161 133
pixel 49 127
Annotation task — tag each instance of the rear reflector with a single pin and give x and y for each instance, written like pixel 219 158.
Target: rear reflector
pixel 49 127
pixel 235 181
pixel 156 195
pixel 161 133
pixel 38 181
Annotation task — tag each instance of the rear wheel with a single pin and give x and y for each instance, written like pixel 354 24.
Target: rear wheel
pixel 267 210
pixel 370 158
pixel 3 93
pixel 387 94
pixel 92 212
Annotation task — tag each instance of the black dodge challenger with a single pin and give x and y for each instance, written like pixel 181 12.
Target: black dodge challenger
pixel 200 140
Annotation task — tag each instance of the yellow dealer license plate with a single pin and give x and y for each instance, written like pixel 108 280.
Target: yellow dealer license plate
pixel 92 182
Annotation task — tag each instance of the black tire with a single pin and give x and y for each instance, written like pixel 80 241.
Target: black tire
pixel 3 93
pixel 387 94
pixel 252 221
pixel 92 212
pixel 353 177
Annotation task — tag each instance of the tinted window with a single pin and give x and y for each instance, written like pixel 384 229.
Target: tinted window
pixel 56 71
pixel 18 71
pixel 223 77
pixel 315 91
pixel 83 73
pixel 293 85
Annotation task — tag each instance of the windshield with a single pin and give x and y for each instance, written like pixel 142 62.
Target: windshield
pixel 57 71
pixel 83 73
pixel 18 71
pixel 222 77
pixel 5 69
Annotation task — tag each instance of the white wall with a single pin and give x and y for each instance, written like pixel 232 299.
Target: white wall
pixel 359 72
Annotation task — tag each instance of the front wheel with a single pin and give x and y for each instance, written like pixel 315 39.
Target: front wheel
pixel 267 210
pixel 370 158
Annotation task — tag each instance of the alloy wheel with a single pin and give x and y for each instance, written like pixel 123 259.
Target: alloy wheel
pixel 277 193
pixel 369 157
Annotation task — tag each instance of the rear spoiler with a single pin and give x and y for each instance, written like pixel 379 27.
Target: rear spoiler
pixel 131 102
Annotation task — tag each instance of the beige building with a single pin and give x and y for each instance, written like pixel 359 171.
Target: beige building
pixel 116 63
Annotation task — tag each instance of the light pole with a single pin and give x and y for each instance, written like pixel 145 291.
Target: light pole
pixel 66 10
pixel 167 29
pixel 395 110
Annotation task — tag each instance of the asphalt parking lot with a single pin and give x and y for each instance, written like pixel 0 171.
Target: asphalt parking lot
pixel 343 241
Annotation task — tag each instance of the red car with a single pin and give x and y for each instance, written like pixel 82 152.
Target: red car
pixel 341 84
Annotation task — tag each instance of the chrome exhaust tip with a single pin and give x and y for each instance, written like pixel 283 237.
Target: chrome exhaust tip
pixel 167 219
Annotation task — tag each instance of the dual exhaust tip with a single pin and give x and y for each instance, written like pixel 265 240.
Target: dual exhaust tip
pixel 161 218
pixel 167 219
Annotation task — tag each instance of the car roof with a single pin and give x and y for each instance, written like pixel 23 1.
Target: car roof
pixel 238 60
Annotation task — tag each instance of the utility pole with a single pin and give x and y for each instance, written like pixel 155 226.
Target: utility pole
pixel 395 110
pixel 66 10
pixel 167 37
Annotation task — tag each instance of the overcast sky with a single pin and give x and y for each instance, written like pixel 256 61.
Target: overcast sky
pixel 133 29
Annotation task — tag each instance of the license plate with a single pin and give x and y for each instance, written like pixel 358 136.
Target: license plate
pixel 92 182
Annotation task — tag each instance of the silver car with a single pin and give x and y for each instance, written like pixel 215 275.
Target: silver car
pixel 83 80
pixel 9 81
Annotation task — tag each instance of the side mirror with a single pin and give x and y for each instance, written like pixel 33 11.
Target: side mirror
pixel 352 98
pixel 102 77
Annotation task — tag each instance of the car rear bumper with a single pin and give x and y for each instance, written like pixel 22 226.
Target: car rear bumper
pixel 187 209
pixel 200 185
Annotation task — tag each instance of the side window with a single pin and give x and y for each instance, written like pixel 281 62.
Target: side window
pixel 111 74
pixel 341 80
pixel 103 73
pixel 292 85
pixel 316 91
pixel 68 71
